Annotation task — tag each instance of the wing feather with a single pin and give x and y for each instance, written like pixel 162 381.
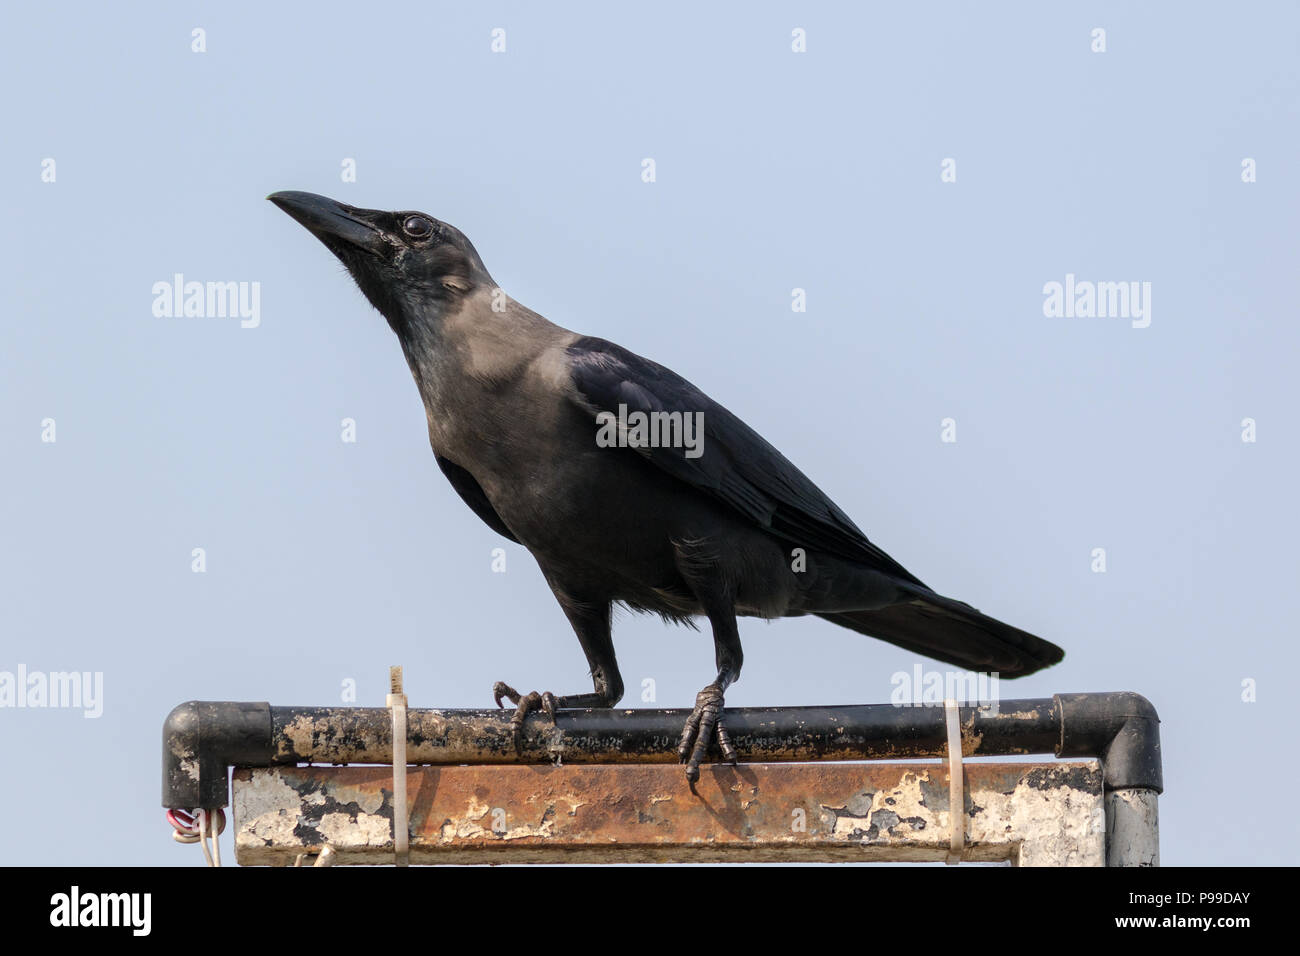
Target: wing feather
pixel 737 466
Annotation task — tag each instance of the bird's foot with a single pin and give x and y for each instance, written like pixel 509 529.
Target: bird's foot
pixel 702 727
pixel 525 704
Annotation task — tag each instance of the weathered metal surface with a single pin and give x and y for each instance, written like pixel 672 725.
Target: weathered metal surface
pixel 344 735
pixel 201 735
pixel 202 739
pixel 1122 728
pixel 1132 828
pixel 1030 814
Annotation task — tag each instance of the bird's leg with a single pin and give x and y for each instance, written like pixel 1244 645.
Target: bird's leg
pixel 592 624
pixel 705 723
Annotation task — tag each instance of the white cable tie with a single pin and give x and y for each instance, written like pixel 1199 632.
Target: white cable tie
pixel 956 785
pixel 401 822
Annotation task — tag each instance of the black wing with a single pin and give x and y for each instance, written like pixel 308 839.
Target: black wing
pixel 737 466
pixel 472 493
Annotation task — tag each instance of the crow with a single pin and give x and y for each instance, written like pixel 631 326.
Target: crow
pixel 627 483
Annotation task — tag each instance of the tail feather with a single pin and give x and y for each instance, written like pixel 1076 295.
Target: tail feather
pixel 954 633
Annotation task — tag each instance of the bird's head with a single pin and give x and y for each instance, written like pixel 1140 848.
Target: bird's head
pixel 411 267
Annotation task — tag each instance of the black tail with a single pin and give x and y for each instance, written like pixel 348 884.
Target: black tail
pixel 954 633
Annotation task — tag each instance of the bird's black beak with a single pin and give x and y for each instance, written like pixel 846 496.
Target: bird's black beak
pixel 332 222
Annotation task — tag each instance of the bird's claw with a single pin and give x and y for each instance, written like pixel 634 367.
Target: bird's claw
pixel 704 724
pixel 502 689
pixel 525 704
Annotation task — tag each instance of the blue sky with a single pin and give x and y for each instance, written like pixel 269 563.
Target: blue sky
pixel 327 561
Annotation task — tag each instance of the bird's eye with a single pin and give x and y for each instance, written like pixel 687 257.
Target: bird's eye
pixel 417 227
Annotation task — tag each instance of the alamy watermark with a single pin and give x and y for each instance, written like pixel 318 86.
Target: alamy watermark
pixel 70 690
pixel 923 688
pixel 1102 300
pixel 132 911
pixel 651 430
pixel 208 300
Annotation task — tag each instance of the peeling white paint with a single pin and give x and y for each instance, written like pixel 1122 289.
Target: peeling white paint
pixel 1037 816
pixel 266 810
pixel 345 831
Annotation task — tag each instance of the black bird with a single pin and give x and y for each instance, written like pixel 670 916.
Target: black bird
pixel 537 429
